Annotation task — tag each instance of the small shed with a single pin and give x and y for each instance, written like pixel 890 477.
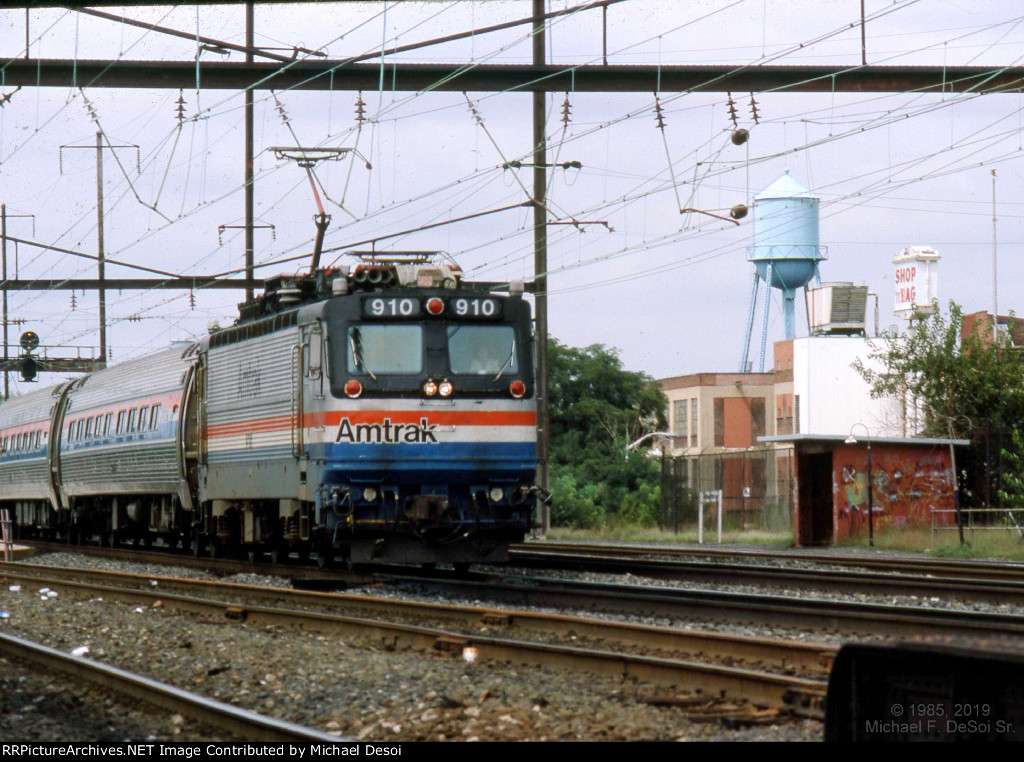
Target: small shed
pixel 908 478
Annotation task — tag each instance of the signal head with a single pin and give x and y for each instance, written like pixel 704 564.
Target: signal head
pixel 29 340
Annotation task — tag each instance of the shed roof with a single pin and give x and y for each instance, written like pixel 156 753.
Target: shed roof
pixel 841 439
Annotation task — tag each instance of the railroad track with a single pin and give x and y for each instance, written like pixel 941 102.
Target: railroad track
pixel 981 570
pixel 1008 590
pixel 577 643
pixel 856 619
pixel 852 619
pixel 230 720
pixel 223 566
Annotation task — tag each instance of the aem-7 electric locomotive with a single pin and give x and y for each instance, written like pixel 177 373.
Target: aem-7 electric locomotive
pixel 382 414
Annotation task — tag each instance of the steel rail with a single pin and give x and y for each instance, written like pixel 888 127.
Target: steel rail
pixel 170 557
pixel 802 657
pixel 978 569
pixel 774 611
pixel 996 592
pixel 239 722
pixel 759 687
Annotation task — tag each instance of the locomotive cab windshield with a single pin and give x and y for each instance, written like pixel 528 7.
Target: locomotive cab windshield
pixel 393 343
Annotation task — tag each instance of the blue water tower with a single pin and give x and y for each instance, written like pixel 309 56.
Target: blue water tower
pixel 785 252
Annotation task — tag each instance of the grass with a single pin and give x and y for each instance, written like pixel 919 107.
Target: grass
pixel 632 533
pixel 988 543
pixel 982 543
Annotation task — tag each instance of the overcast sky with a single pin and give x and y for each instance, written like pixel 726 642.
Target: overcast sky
pixel 670 291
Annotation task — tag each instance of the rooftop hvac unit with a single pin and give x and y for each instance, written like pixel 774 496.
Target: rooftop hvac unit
pixel 837 309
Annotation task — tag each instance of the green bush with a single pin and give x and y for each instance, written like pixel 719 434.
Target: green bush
pixel 574 506
pixel 640 507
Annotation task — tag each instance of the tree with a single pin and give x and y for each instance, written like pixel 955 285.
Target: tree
pixel 969 387
pixel 597 410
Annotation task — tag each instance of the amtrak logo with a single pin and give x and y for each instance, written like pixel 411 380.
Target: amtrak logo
pixel 387 432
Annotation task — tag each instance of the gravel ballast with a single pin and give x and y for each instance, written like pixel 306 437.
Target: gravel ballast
pixel 361 689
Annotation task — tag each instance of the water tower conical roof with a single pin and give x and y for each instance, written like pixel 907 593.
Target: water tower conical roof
pixel 784 187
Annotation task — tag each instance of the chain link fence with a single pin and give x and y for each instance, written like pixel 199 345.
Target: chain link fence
pixel 757 489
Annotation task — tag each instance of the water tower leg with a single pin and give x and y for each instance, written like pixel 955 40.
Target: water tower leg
pixel 764 321
pixel 750 323
pixel 789 312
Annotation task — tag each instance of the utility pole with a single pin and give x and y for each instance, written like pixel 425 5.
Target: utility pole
pixel 250 246
pixel 995 278
pixel 6 319
pixel 540 267
pixel 3 233
pixel 100 248
pixel 101 254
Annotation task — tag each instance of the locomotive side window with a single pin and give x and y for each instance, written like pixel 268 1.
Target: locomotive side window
pixel 154 417
pixel 482 349
pixel 120 422
pixel 131 422
pixel 386 349
pixel 316 342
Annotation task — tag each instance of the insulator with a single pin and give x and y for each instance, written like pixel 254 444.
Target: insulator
pixel 732 110
pixel 753 109
pixel 74 301
pixel 280 110
pixel 191 299
pixel 181 106
pixel 660 121
pixel 360 110
pixel 566 110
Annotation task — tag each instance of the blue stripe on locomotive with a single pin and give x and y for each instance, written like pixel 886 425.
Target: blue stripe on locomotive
pixel 456 461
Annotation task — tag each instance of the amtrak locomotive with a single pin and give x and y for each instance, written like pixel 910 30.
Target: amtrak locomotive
pixel 379 413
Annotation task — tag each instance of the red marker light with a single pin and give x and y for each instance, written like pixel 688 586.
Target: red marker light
pixel 517 389
pixel 353 388
pixel 435 306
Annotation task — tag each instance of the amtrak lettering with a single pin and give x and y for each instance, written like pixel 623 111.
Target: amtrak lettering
pixel 387 432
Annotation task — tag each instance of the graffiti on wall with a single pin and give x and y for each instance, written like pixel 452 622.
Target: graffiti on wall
pixel 907 484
